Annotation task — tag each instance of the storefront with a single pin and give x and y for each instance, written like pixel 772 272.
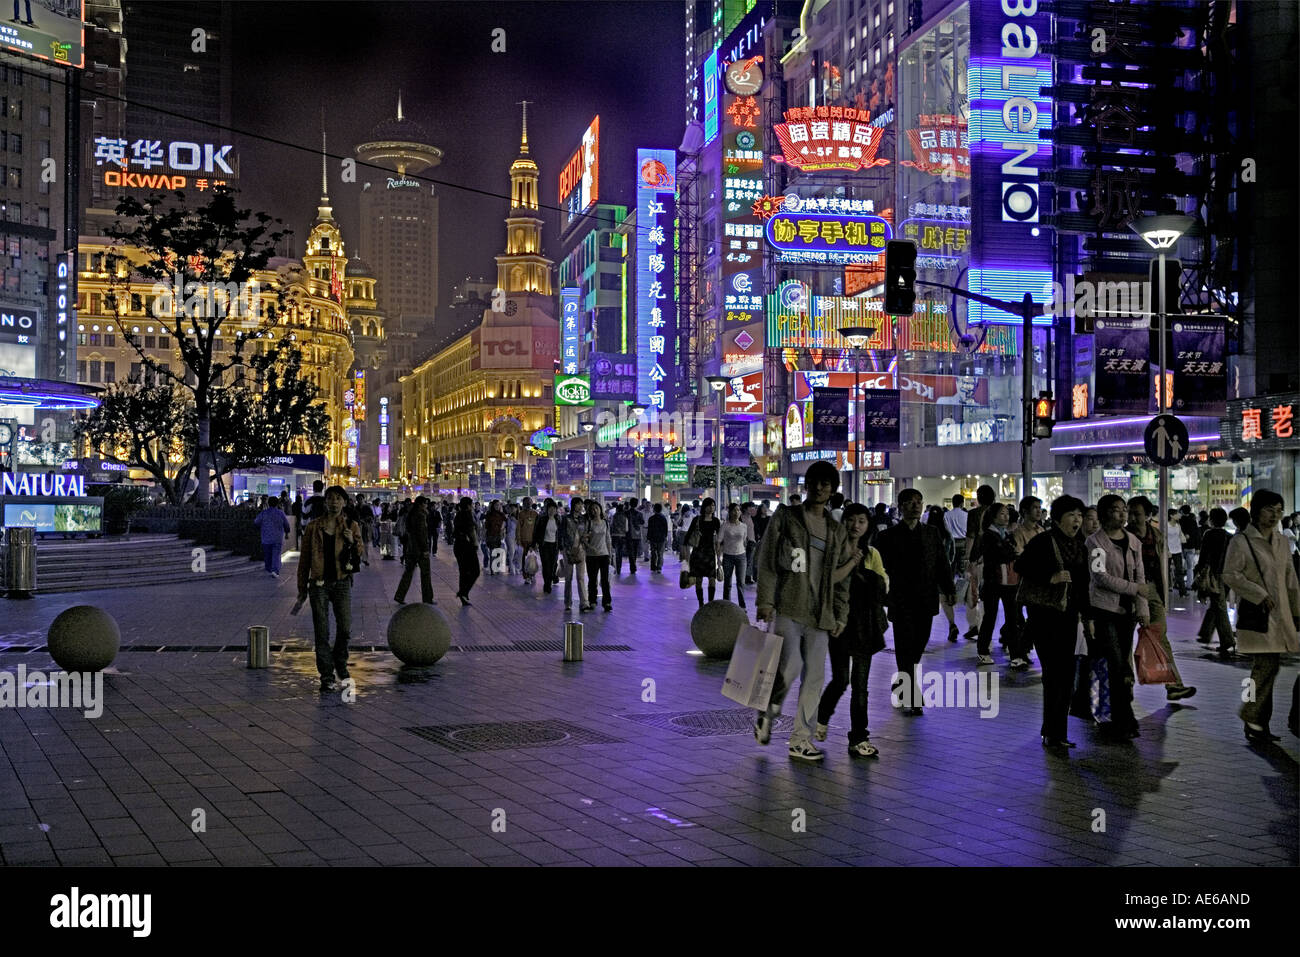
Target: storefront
pixel 294 473
pixel 1261 434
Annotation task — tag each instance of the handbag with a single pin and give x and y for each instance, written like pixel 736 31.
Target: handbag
pixel 562 566
pixel 1252 616
pixel 685 579
pixel 751 673
pixel 530 565
pixel 1056 597
pixel 1153 665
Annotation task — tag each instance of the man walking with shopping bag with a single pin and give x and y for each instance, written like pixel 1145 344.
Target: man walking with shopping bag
pixel 800 552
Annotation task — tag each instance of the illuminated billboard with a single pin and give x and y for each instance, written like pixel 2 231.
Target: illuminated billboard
pixel 50 30
pixel 709 81
pixel 1012 251
pixel 827 232
pixel 163 164
pixel 570 333
pixel 580 177
pixel 829 138
pixel 656 307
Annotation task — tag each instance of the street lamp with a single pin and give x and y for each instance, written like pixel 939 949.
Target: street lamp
pixel 1160 233
pixel 717 383
pixel 857 337
pixel 587 425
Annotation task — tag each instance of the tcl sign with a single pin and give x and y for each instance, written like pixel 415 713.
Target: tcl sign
pixel 505 347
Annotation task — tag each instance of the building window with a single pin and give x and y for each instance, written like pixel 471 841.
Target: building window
pixel 891 43
pixel 110 339
pixel 81 338
pixel 875 20
pixel 876 54
pixel 45 115
pixel 16 110
pixel 94 370
pixel 110 370
pixel 81 370
pixel 135 371
pixel 94 338
pixel 42 216
pixel 15 177
pixel 150 342
pixel 890 9
pixel 15 142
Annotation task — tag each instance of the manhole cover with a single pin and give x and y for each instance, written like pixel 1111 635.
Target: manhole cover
pixel 699 724
pixel 504 735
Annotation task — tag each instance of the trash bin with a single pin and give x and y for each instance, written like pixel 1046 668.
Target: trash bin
pixel 20 553
pixel 573 641
pixel 259 646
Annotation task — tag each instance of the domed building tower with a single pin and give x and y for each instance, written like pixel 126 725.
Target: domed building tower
pixel 399 220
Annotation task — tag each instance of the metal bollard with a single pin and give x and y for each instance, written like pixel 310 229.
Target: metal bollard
pixel 20 544
pixel 573 641
pixel 259 646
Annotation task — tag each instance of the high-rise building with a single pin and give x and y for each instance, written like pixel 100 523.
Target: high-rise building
pixel 399 220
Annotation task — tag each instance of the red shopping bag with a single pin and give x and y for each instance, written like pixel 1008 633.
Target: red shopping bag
pixel 1153 664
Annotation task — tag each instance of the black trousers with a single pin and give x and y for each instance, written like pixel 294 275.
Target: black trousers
pixel 1113 640
pixel 1056 634
pixel 421 559
pixel 911 634
pixel 847 669
pixel 550 555
pixel 467 564
pixel 992 594
pixel 598 565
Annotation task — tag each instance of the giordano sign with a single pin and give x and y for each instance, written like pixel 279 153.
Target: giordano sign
pixel 573 390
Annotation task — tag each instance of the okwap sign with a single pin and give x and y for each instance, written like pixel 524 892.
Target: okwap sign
pixel 656 296
pixel 1011 253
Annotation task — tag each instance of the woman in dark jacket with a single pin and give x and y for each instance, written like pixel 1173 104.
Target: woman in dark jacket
pixel 1048 562
pixel 1209 574
pixel 862 637
pixel 998 552
pixel 702 538
pixel 465 548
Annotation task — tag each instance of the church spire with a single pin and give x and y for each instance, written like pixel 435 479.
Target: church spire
pixel 324 210
pixel 399 107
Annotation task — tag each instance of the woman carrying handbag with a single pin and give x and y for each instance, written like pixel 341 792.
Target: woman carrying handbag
pixel 1054 589
pixel 1259 569
pixel 703 541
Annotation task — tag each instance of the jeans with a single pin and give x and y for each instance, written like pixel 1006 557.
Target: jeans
pixel 733 565
pixel 426 584
pixel 750 548
pixel 699 588
pixel 1216 619
pixel 656 556
pixel 271 557
pixel 847 669
pixel 1190 562
pixel 598 567
pixel 467 564
pixel 911 634
pixel 512 561
pixel 577 570
pixel 1179 577
pixel 803 658
pixel 550 555
pixel 1057 633
pixel 1263 673
pixel 1114 642
pixel 633 549
pixel 619 543
pixel 1011 611
pixel 339 595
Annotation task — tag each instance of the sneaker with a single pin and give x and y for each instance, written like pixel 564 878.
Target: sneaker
pixel 820 733
pixel 953 633
pixel 568 608
pixel 328 684
pixel 864 749
pixel 984 659
pixel 1019 664
pixel 806 752
pixel 608 607
pixel 971 633
pixel 1178 693
pixel 763 729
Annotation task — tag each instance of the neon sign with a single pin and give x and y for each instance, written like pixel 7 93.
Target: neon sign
pixel 656 308
pixel 58 486
pixel 569 313
pixel 829 137
pixel 820 232
pixel 580 177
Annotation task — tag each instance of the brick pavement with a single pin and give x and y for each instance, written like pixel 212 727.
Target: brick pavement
pixel 287 776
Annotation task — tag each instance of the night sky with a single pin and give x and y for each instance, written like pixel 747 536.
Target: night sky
pixel 622 60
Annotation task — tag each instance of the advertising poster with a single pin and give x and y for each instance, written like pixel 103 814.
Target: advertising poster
pixel 499 479
pixel 735 448
pixel 830 418
pixel 518 476
pixel 1199 366
pixel 744 395
pixel 881 416
pixel 613 376
pixel 622 460
pixel 600 464
pixel 1123 368
pixel 652 462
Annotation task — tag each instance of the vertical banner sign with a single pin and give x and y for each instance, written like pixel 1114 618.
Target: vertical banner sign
pixel 831 418
pixel 1200 372
pixel 622 460
pixel 742 229
pixel 473 482
pixel 569 330
pixel 1123 367
pixel 575 467
pixel 881 416
pixel 600 464
pixel 385 470
pixel 652 463
pixel 1011 252
pixel 656 307
pixel 359 402
pixel 709 82
pixel 735 444
pixel 499 480
pixel 518 476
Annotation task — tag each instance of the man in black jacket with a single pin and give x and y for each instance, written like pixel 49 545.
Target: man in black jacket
pixel 918 571
pixel 417 553
pixel 656 534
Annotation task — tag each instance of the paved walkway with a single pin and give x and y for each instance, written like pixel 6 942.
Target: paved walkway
pixel 427 767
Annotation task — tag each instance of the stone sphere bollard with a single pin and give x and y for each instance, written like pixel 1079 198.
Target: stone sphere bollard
pixel 84 638
pixel 715 626
pixel 418 635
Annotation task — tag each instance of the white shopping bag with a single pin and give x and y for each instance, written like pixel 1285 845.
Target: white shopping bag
pixel 753 667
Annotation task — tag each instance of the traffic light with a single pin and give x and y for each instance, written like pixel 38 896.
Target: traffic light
pixel 1044 416
pixel 900 277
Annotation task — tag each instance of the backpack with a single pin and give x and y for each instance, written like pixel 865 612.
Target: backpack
pixel 618 528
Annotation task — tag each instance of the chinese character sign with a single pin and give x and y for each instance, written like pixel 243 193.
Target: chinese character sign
pixel 656 287
pixel 1199 367
pixel 820 232
pixel 940 143
pixel 600 464
pixel 1262 424
pixel 359 400
pixel 518 476
pixel 613 376
pixel 622 460
pixel 570 329
pixel 829 137
pixel 831 418
pixel 1123 373
pixel 881 415
pixel 652 460
pixel 742 229
pixel 735 444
